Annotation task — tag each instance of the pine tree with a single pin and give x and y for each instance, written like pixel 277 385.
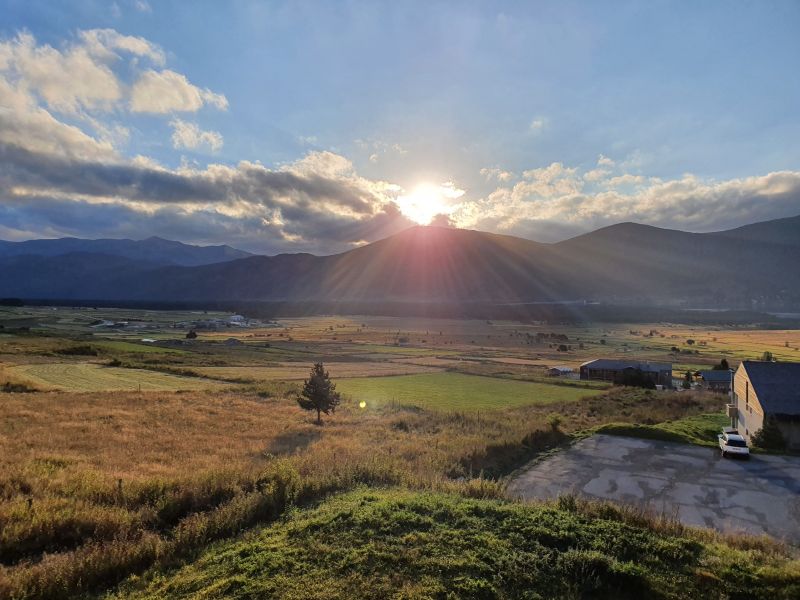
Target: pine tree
pixel 319 393
pixel 687 380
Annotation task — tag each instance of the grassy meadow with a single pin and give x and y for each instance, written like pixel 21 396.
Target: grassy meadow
pixel 457 391
pixel 211 482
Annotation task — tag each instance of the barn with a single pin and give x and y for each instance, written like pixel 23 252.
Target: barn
pixel 618 371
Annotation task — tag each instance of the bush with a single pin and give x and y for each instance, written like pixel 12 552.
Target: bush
pixel 82 350
pixel 770 437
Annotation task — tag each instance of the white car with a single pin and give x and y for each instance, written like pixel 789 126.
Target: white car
pixel 732 444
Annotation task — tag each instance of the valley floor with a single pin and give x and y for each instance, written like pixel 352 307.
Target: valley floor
pixel 132 455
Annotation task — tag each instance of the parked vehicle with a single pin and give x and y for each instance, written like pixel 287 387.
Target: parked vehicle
pixel 732 444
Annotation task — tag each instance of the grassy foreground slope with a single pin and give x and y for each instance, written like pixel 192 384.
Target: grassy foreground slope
pixel 402 544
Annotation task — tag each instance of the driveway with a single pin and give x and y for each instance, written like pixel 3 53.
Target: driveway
pixel 693 483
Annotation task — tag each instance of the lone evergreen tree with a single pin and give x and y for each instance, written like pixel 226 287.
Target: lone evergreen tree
pixel 319 393
pixel 769 436
pixel 722 366
pixel 687 380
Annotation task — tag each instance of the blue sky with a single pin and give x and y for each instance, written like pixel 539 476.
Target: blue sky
pixel 540 119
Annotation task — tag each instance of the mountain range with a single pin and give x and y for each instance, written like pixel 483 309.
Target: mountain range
pixel 153 250
pixel 756 265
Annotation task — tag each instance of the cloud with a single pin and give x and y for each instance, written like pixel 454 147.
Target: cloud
pixel 318 202
pixel 604 161
pixel 497 174
pixel 143 6
pixel 379 149
pixel 25 124
pixel 68 81
pixel 103 42
pixel 537 125
pixel 626 179
pixel 189 135
pixel 595 175
pixel 551 203
pixel 166 91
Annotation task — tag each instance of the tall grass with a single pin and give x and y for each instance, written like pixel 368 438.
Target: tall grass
pixel 98 486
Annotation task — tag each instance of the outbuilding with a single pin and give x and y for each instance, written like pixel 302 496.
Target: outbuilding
pixel 717 381
pixel 618 371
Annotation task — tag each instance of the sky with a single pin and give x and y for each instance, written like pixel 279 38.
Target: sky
pixel 321 126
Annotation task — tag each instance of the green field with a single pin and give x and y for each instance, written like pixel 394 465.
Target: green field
pixel 701 430
pixel 455 391
pixel 401 544
pixel 90 377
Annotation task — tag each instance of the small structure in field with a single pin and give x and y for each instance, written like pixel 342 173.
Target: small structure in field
pixel 559 371
pixel 767 390
pixel 618 371
pixel 716 381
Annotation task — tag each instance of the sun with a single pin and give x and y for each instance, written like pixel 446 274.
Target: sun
pixel 427 200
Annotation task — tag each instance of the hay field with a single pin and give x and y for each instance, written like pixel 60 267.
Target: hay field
pixel 92 377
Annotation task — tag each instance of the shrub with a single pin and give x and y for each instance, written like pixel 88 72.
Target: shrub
pixel 770 437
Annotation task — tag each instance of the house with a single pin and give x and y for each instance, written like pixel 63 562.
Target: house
pixel 619 371
pixel 767 389
pixel 716 381
pixel 559 371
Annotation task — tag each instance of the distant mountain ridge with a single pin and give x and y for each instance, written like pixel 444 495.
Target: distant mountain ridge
pixel 748 267
pixel 151 250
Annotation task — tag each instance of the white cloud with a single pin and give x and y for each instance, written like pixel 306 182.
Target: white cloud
pixel 189 135
pixel 102 43
pixel 604 161
pixel 552 199
pixel 595 175
pixel 23 123
pixel 626 179
pixel 167 91
pixel 496 173
pixel 67 81
pixel 143 6
pixel 537 124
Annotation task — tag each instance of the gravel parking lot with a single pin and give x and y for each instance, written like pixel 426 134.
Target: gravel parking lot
pixel 760 495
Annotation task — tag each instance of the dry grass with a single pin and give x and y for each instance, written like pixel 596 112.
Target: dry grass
pixel 199 466
pixel 93 377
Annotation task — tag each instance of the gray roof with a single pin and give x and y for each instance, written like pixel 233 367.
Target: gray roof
pixel 618 365
pixel 777 385
pixel 716 376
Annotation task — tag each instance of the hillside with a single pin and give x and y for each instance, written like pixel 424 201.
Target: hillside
pixel 625 263
pixel 382 544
